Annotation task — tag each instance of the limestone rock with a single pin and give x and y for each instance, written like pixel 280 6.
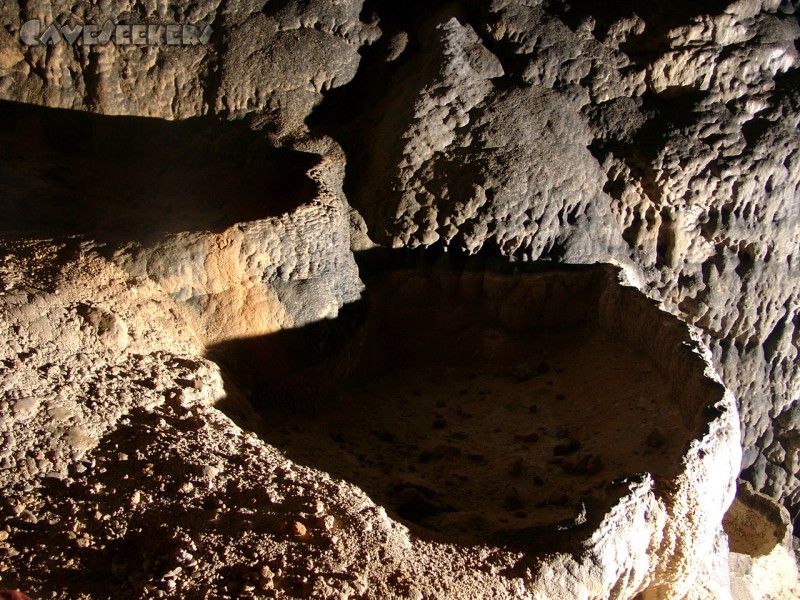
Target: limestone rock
pixel 280 62
pixel 274 63
pixel 709 219
pixel 689 178
pixel 476 165
pixel 130 434
pixel 108 326
pixel 582 61
pixel 762 560
pixel 662 137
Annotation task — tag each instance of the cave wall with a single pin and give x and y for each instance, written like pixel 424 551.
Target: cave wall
pixel 659 136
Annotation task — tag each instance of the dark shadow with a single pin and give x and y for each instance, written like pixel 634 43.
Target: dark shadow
pixel 167 531
pixel 654 14
pixel 298 370
pixel 116 178
pixel 455 416
pixel 344 109
pixel 786 83
pixel 295 370
pixel 379 260
pixel 351 112
pixel 665 114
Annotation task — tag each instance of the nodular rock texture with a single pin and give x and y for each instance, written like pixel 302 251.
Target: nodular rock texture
pixel 161 244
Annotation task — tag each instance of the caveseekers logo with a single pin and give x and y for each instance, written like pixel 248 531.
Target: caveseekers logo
pixel 33 33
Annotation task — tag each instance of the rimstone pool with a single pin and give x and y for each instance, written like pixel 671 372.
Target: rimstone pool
pixel 513 409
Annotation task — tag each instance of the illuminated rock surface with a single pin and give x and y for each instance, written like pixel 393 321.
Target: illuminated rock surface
pixel 277 223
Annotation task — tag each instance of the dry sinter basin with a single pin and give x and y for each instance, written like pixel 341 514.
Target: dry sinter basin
pixel 550 430
pixel 557 412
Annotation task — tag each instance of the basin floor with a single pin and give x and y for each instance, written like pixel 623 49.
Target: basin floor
pixel 470 451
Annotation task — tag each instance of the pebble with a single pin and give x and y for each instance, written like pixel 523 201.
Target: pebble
pixel 589 464
pixel 13 595
pixel 298 530
pixel 568 448
pixel 318 507
pixel 326 522
pixel 26 407
pixel 80 438
pixel 28 517
pixel 8 445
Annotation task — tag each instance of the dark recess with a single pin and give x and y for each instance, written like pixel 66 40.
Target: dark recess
pixel 134 179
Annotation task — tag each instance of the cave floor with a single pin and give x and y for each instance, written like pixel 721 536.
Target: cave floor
pixel 468 453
